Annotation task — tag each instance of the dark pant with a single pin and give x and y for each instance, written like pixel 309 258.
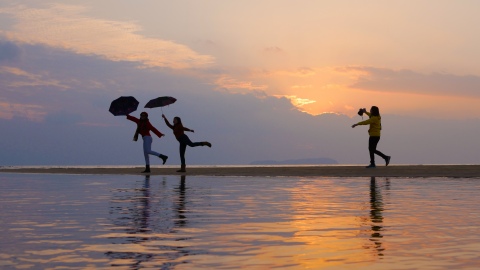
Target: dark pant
pixel 372 148
pixel 184 141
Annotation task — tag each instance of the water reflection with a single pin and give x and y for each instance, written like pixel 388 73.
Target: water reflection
pixel 124 222
pixel 181 220
pixel 376 214
pixel 146 216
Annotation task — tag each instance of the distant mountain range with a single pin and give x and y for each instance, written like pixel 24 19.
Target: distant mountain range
pixel 304 161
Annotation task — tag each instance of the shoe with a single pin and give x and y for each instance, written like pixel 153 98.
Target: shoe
pixel 147 169
pixel 387 160
pixel 182 168
pixel 164 158
pixel 371 166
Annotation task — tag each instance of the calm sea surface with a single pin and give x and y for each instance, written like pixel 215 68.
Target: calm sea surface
pixel 174 222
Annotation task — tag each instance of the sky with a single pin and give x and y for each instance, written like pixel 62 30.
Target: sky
pixel 261 80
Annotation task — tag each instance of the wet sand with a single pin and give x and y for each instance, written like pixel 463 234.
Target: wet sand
pixel 331 171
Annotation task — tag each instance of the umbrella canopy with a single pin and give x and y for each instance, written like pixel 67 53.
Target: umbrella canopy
pixel 123 105
pixel 160 102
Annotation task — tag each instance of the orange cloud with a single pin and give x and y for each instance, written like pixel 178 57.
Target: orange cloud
pixel 29 79
pixel 296 101
pixel 31 112
pixel 64 26
pixel 227 82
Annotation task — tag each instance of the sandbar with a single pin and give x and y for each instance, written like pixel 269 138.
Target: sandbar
pixel 460 171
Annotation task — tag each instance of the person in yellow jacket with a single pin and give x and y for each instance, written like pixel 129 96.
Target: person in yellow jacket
pixel 375 122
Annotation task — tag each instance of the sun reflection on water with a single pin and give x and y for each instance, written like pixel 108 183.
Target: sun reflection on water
pixel 125 222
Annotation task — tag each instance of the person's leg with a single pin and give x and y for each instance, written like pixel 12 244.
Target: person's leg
pixel 385 157
pixel 194 144
pixel 372 148
pixel 147 148
pixel 147 145
pixel 147 141
pixel 183 148
pixel 188 142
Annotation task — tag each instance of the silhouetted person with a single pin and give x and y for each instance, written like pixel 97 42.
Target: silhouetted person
pixel 375 122
pixel 143 128
pixel 182 138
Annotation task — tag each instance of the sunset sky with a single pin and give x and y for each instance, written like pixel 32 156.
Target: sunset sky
pixel 65 61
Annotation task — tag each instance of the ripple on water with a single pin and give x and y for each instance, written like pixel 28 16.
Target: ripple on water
pixel 86 221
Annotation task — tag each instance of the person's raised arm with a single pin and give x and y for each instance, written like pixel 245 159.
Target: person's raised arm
pixel 166 121
pixel 132 118
pixel 366 122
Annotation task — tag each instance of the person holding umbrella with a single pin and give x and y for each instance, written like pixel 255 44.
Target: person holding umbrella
pixel 182 138
pixel 143 128
pixel 374 131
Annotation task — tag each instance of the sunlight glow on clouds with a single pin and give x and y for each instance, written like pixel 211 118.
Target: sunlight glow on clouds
pixel 227 82
pixel 409 81
pixel 31 112
pixel 29 79
pixel 298 102
pixel 64 26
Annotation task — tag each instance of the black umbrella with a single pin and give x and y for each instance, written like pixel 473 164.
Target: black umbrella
pixel 123 105
pixel 160 102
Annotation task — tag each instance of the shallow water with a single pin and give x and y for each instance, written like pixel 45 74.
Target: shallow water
pixel 173 222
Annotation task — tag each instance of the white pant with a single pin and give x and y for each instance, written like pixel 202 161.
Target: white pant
pixel 147 149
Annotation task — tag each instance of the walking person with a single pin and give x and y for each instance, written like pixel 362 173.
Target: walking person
pixel 182 138
pixel 143 128
pixel 375 122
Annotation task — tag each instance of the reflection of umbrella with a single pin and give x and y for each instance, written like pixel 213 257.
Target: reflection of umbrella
pixel 160 102
pixel 123 105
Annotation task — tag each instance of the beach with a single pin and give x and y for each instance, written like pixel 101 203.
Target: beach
pixel 272 171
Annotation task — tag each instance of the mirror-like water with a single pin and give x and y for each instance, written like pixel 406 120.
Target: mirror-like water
pixel 173 222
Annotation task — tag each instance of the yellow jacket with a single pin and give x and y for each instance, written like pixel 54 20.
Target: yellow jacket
pixel 375 123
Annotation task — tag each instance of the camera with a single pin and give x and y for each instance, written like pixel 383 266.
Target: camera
pixel 361 111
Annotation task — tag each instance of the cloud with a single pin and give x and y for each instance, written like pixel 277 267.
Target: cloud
pixel 242 127
pixel 408 81
pixel 273 50
pixel 66 27
pixel 227 82
pixel 296 101
pixel 29 111
pixel 27 79
pixel 302 72
pixel 9 51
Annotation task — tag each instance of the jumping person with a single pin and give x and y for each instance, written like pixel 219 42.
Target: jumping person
pixel 182 138
pixel 375 122
pixel 143 128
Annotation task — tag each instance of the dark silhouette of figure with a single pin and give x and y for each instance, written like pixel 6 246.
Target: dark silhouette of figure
pixel 375 122
pixel 142 212
pixel 143 128
pixel 181 208
pixel 376 216
pixel 182 138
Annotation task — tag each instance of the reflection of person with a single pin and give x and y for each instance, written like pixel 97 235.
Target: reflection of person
pixel 181 221
pixel 143 128
pixel 376 215
pixel 375 122
pixel 182 138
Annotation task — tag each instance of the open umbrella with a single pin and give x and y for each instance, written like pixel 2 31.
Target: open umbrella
pixel 123 105
pixel 160 102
